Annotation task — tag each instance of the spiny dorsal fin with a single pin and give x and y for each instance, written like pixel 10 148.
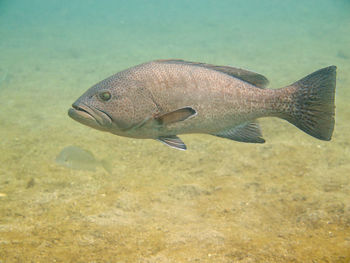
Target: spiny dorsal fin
pixel 253 78
pixel 176 116
pixel 173 141
pixel 246 132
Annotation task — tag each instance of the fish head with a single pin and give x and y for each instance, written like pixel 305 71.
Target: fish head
pixel 106 106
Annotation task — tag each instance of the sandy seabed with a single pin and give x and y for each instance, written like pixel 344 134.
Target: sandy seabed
pixel 221 201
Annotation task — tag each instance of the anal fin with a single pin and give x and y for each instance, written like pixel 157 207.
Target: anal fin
pixel 173 141
pixel 247 132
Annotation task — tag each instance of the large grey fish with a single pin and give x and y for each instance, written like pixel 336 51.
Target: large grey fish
pixel 164 98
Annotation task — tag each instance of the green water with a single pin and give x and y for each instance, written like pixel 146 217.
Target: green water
pixel 287 200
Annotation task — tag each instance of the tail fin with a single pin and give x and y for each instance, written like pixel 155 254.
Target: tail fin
pixel 313 103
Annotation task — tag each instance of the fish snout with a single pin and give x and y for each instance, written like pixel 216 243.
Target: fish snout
pixel 89 116
pixel 75 105
pixel 79 114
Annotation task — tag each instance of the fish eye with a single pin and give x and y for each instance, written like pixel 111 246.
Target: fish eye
pixel 105 96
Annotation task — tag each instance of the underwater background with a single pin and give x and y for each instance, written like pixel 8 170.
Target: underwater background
pixel 287 200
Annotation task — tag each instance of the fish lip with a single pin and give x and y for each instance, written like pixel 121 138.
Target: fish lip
pixel 80 108
pixel 89 114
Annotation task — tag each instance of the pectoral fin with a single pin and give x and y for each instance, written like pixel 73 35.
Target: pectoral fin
pixel 176 116
pixel 173 141
pixel 246 132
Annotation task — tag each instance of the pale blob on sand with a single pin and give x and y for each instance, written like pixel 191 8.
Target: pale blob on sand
pixel 77 158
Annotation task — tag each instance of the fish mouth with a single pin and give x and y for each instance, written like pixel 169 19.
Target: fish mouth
pixel 90 116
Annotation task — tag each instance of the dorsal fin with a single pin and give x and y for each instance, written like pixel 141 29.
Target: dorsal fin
pixel 253 78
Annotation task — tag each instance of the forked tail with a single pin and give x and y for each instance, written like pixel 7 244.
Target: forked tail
pixel 311 103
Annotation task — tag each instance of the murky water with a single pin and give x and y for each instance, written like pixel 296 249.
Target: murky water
pixel 287 200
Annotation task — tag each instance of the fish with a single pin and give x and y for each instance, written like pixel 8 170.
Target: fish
pixel 76 158
pixel 164 98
